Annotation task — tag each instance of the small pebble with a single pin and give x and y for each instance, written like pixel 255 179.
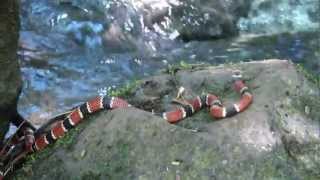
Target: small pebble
pixel 224 162
pixel 175 163
pixel 83 153
pixel 307 110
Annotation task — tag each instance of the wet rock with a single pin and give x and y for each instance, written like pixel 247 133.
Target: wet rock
pixel 197 20
pixel 258 143
pixel 194 20
pixel 130 25
pixel 115 39
pixel 267 16
pixel 33 46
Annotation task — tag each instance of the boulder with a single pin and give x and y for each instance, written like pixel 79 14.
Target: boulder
pixel 276 137
pixel 198 20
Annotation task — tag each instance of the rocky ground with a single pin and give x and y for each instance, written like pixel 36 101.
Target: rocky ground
pixel 276 138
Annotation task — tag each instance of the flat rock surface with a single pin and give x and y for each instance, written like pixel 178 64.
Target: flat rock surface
pixel 276 138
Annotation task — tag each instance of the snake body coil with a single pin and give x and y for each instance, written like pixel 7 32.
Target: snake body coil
pixel 36 141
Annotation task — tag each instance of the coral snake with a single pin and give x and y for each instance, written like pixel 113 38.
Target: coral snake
pixel 33 141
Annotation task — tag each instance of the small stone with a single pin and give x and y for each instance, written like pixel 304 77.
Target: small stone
pixel 176 163
pixel 307 110
pixel 224 162
pixel 83 153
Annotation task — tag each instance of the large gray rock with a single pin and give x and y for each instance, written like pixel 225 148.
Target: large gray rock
pixel 277 137
pixel 208 19
pixel 10 79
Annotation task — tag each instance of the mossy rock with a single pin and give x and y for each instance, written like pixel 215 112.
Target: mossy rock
pixel 272 139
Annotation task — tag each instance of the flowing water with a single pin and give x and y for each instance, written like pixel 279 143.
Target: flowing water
pixel 72 50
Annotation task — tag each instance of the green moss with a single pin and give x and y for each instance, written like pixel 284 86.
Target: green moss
pixel 312 102
pixel 126 90
pixel 90 175
pixel 31 168
pixel 312 77
pixel 173 69
pixel 185 65
pixel 280 166
pixel 196 122
pixel 116 164
pixel 70 138
pixel 302 100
